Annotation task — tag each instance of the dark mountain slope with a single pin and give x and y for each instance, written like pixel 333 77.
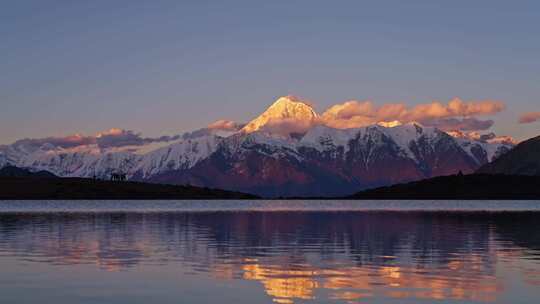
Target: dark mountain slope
pixel 12 171
pixel 474 186
pixel 21 188
pixel 524 159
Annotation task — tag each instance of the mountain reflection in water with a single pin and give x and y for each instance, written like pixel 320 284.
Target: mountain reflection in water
pixel 295 257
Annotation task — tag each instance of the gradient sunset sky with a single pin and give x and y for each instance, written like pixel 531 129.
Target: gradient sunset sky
pixel 163 67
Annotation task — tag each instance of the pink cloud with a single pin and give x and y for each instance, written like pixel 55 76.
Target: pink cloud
pixel 225 125
pixel 66 142
pixel 113 138
pixel 529 117
pixel 488 138
pixel 353 114
pixel 286 126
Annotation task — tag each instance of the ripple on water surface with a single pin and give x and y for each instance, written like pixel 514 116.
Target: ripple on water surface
pixel 269 251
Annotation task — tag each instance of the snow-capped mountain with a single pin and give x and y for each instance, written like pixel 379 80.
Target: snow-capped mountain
pixel 287 112
pixel 310 159
pixel 328 161
pixel 93 162
pixel 88 162
pixel 179 156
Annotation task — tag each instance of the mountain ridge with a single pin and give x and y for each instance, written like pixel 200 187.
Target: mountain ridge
pixel 459 187
pixel 331 162
pixel 12 171
pixel 35 187
pixel 524 159
pixel 313 160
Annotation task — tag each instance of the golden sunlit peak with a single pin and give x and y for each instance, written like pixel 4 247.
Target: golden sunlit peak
pixel 292 98
pixel 287 114
pixel 390 124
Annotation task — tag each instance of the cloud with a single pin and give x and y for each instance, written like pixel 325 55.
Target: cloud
pixel 66 142
pixel 455 108
pixel 473 108
pixel 286 126
pixel 113 138
pixel 350 114
pixel 529 117
pixel 354 114
pixel 466 124
pixel 454 115
pixel 221 125
pixel 487 138
pixel 165 138
pixel 119 138
pixel 225 125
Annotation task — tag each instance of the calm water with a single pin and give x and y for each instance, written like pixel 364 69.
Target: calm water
pixel 269 251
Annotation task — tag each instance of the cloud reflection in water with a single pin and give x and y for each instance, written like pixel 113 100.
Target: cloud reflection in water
pixel 297 256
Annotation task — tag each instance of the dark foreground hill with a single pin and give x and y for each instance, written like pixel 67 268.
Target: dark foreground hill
pixel 12 171
pixel 475 187
pixel 81 188
pixel 524 159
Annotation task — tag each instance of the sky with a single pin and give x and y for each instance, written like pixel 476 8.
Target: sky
pixel 165 67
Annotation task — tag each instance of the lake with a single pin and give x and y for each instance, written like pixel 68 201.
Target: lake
pixel 269 252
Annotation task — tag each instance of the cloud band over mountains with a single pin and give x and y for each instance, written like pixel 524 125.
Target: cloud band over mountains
pixel 118 138
pixel 113 138
pixel 222 125
pixel 455 115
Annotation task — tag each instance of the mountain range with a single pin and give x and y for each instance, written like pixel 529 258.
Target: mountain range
pixel 514 175
pixel 286 151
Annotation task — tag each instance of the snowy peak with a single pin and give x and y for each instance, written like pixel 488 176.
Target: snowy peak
pixel 181 155
pixel 288 113
pixel 321 136
pixel 389 124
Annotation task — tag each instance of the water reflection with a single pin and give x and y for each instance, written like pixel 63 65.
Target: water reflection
pixel 298 257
